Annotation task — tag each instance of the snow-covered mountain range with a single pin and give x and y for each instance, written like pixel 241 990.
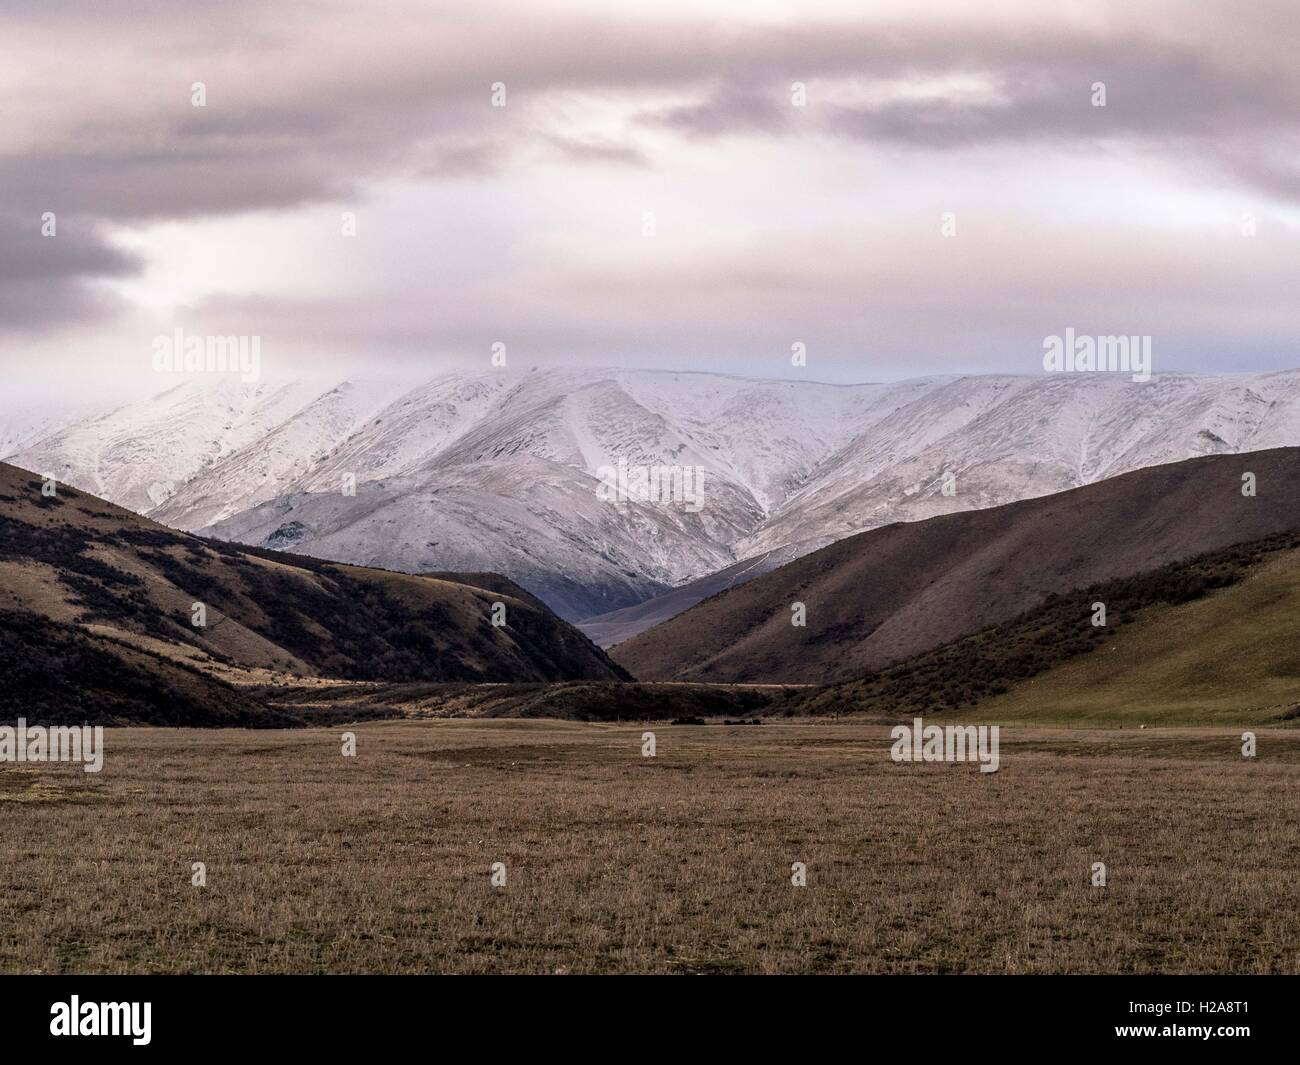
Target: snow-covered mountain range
pixel 499 470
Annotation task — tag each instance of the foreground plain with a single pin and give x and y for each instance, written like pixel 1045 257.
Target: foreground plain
pixel 676 864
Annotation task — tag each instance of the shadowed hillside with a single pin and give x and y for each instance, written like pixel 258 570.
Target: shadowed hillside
pixel 117 594
pixel 61 674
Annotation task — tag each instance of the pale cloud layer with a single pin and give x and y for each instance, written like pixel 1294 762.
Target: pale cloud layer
pixel 772 223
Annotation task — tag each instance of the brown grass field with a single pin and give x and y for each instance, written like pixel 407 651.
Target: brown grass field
pixel 677 864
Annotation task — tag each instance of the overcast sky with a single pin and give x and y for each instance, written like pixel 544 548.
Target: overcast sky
pixel 773 223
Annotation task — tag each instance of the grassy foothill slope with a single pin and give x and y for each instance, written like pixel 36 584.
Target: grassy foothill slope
pixel 1231 658
pixel 889 594
pixel 1212 641
pixel 113 593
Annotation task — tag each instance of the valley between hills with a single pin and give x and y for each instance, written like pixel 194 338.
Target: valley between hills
pixel 988 614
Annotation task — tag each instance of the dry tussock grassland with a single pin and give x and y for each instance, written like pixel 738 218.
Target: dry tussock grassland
pixel 677 864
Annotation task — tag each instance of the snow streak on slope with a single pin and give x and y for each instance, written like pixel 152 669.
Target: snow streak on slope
pixel 22 427
pixel 138 455
pixel 279 456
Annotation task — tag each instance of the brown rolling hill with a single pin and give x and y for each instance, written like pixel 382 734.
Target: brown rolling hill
pixel 1209 641
pixel 96 620
pixel 886 595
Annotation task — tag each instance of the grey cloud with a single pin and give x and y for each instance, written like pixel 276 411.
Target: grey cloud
pixel 1162 96
pixel 727 110
pixel 1148 95
pixel 587 150
pixel 50 281
pixel 312 104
